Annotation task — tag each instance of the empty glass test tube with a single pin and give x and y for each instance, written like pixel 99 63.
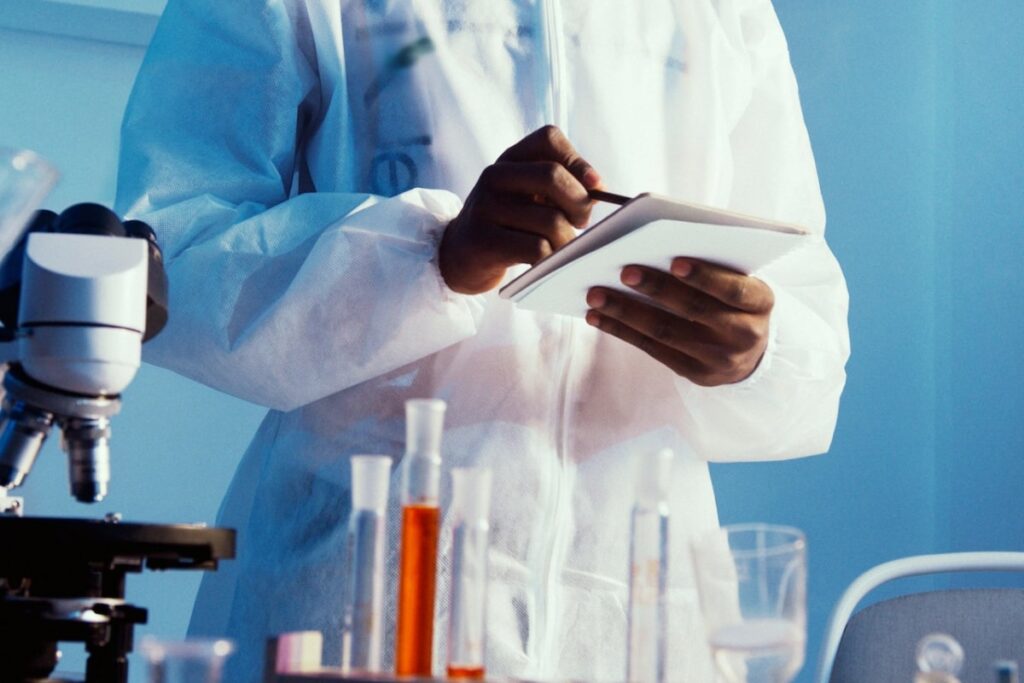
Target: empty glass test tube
pixel 471 502
pixel 424 420
pixel 362 628
pixel 648 570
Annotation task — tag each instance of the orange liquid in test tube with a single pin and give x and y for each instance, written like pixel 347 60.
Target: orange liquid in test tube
pixel 475 673
pixel 416 587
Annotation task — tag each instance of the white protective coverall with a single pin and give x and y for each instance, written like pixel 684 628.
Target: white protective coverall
pixel 299 160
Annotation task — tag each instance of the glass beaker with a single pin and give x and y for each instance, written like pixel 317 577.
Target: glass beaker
pixel 195 660
pixel 752 580
pixel 25 179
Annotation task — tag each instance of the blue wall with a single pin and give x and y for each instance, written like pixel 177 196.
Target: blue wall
pixel 982 229
pixel 915 113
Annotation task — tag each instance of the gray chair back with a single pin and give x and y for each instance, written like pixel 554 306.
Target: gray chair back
pixel 879 642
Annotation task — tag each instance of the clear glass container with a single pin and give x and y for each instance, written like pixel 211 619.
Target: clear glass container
pixel 1005 671
pixel 25 180
pixel 185 661
pixel 362 628
pixel 421 520
pixel 471 502
pixel 648 570
pixel 752 580
pixel 939 659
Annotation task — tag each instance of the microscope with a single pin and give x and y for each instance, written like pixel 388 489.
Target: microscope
pixel 80 292
pixel 74 325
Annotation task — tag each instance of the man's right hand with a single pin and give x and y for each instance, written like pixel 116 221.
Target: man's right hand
pixel 524 206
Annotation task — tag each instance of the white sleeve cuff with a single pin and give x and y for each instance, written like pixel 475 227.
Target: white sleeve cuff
pixel 474 303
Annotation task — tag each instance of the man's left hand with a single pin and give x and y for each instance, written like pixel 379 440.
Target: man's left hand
pixel 710 323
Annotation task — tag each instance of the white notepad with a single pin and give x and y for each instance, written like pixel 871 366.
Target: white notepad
pixel 650 230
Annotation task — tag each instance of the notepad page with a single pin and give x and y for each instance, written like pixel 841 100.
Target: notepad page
pixel 656 244
pixel 642 210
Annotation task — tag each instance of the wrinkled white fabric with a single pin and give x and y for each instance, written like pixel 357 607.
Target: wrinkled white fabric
pixel 299 160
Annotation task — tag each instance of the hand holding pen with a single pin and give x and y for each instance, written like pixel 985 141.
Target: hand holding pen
pixel 525 206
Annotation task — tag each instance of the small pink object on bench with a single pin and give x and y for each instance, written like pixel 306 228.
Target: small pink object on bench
pixel 294 653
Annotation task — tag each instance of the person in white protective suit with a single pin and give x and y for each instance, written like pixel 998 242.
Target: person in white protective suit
pixel 301 160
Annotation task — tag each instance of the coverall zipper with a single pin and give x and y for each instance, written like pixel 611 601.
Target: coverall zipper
pixel 557 96
pixel 546 632
pixel 562 511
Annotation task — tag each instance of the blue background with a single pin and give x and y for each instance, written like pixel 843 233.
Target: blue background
pixel 915 112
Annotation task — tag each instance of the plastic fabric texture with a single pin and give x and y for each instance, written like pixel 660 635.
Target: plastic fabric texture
pixel 299 160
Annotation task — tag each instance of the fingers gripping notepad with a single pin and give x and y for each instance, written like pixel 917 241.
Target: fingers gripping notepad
pixel 650 230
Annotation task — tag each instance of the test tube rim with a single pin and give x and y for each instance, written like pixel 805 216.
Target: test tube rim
pixel 431 403
pixel 158 649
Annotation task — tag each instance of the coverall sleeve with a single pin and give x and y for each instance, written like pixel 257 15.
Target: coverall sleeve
pixel 788 407
pixel 276 297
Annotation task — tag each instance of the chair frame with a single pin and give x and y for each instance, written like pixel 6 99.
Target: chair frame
pixel 897 569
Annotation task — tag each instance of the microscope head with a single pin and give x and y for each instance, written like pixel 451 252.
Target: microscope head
pixel 87 301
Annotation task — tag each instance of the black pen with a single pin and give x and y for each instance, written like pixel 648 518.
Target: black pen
pixel 610 197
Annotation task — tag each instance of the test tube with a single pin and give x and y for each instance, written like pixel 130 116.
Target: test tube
pixel 362 628
pixel 648 570
pixel 424 419
pixel 471 501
